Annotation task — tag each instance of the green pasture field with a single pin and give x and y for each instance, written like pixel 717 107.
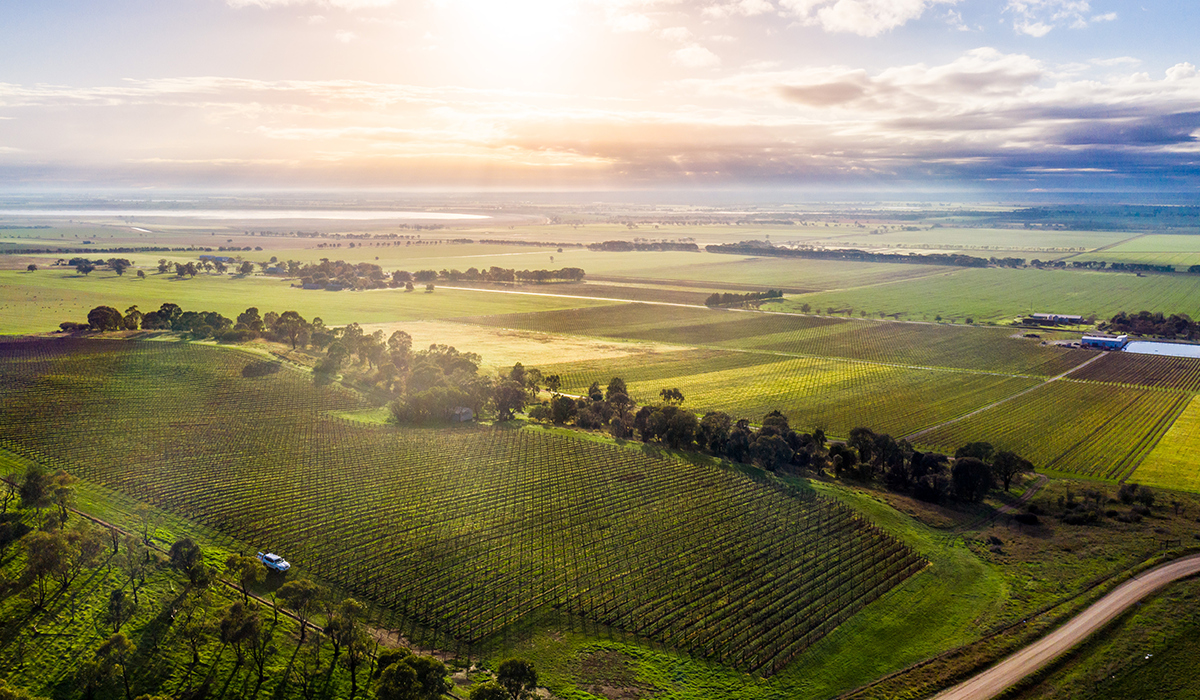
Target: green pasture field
pixel 1094 430
pixel 36 302
pixel 1179 250
pixel 913 344
pixel 1175 461
pixel 833 395
pixel 999 295
pixel 467 531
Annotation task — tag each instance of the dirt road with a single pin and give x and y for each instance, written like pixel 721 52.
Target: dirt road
pixel 995 680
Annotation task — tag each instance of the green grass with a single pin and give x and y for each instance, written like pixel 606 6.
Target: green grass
pixel 37 302
pixel 1175 460
pixel 994 294
pixel 1069 427
pixel 467 530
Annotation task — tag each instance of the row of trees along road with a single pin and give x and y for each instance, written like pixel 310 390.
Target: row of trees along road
pixel 333 639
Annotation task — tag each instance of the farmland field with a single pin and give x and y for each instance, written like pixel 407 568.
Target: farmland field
pixel 834 395
pixel 1175 461
pixel 1182 251
pixel 37 302
pixel 920 345
pixel 1093 430
pixel 1181 373
pixel 997 294
pixel 466 531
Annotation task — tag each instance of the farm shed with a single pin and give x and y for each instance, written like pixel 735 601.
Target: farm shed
pixel 1104 341
pixel 462 414
pixel 1056 318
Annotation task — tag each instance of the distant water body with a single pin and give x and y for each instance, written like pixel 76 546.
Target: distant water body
pixel 348 215
pixel 1146 347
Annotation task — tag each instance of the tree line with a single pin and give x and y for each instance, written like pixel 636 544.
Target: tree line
pixel 730 299
pixel 1155 324
pixel 333 638
pixel 629 246
pixel 760 248
pixel 774 445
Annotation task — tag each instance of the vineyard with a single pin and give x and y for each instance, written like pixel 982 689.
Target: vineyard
pixel 922 345
pixel 1181 373
pixel 835 395
pixel 1173 462
pixel 464 530
pixel 1094 430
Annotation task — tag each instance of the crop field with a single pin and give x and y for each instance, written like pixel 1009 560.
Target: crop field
pixel 920 345
pixel 466 530
pixel 996 294
pixel 982 242
pixel 1094 430
pixel 1174 462
pixel 1182 373
pixel 1182 251
pixel 834 395
pixel 37 302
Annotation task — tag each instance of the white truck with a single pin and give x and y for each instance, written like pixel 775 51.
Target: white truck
pixel 274 562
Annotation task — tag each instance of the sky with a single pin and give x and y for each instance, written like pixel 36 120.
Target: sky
pixel 891 95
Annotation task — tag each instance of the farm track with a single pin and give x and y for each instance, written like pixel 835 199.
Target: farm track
pixel 1019 394
pixel 999 678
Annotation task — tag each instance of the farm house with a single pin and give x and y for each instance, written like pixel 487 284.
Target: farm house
pixel 1103 341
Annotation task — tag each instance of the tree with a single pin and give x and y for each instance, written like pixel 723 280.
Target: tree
pixel 196 632
pixel 247 571
pixel 292 326
pixel 120 609
pixel 681 429
pixel 134 562
pixel 553 383
pixel 119 265
pixel 31 268
pixel 250 320
pixel 46 557
pixel 85 268
pixel 771 452
pixel 62 492
pixel 431 676
pixel 301 596
pixel 518 677
pixel 113 657
pixel 971 479
pixel 358 649
pixel 246 268
pixel 1007 465
pixel 594 392
pixel 35 489
pixel 509 397
pixel 163 266
pixel 105 318
pixel 562 409
pixel 981 451
pixel 188 559
pixel 490 690
pixel 398 681
pixel 133 317
pixel 672 397
pixel 239 626
pixel 343 624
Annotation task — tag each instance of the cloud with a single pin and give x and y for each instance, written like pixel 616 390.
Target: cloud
pixel 695 56
pixel 634 22
pixel 678 34
pixel 345 36
pixel 1037 18
pixel 743 8
pixel 863 17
